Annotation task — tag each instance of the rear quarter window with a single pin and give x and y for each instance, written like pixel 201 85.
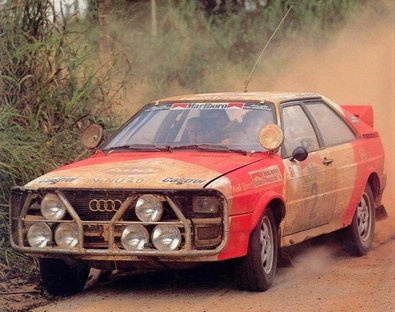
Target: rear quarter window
pixel 333 129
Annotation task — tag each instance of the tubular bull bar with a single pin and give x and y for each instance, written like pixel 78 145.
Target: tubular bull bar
pixel 113 252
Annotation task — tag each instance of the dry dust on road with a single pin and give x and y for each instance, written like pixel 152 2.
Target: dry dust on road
pixel 320 276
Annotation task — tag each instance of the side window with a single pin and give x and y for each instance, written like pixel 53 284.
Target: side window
pixel 298 130
pixel 332 127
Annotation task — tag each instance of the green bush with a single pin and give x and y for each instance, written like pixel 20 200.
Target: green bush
pixel 48 82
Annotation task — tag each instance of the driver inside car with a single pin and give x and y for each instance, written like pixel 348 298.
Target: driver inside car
pixel 197 134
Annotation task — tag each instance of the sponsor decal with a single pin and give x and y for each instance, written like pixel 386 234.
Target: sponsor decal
pixel 179 106
pixel 266 176
pixel 243 186
pixel 310 189
pixel 206 105
pixel 183 180
pixel 158 107
pixel 236 105
pixel 132 171
pixel 258 106
pixel 58 180
pixel 117 180
pixel 293 171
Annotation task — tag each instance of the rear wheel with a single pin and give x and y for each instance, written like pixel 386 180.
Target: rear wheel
pixel 360 234
pixel 256 271
pixel 60 278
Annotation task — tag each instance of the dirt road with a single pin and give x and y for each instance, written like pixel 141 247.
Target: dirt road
pixel 319 277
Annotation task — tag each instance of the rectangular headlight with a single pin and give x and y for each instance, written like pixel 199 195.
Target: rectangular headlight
pixel 205 204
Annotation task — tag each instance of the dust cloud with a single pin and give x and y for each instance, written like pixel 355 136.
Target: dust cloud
pixel 354 66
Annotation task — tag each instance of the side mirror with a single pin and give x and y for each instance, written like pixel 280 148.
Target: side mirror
pixel 299 153
pixel 271 137
pixel 92 136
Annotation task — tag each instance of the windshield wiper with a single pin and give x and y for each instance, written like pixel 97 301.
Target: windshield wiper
pixel 138 147
pixel 210 148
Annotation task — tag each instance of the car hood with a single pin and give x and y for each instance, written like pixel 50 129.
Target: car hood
pixel 176 170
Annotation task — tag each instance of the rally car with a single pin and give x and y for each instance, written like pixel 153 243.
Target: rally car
pixel 206 177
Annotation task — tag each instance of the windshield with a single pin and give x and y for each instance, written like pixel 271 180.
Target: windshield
pixel 195 125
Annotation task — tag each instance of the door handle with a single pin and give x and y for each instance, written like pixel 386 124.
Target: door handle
pixel 327 161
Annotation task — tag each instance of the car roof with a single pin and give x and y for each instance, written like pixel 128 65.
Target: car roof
pixel 274 97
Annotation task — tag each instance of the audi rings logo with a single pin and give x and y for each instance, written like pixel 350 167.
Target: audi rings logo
pixel 104 205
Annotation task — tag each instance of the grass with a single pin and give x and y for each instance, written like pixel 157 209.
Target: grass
pixel 49 80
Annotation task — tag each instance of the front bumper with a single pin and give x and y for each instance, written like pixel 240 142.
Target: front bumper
pixel 112 251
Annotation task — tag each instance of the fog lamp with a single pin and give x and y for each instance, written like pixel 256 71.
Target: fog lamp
pixel 66 235
pixel 166 237
pixel 39 234
pixel 52 208
pixel 149 208
pixel 134 237
pixel 205 204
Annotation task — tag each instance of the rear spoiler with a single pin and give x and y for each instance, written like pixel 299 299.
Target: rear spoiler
pixel 363 112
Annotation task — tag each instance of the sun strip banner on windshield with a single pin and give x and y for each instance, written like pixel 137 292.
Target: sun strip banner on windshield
pixel 205 105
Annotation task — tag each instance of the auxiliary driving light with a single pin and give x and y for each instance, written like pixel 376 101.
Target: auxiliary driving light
pixel 52 208
pixel 39 234
pixel 166 237
pixel 149 208
pixel 134 237
pixel 66 235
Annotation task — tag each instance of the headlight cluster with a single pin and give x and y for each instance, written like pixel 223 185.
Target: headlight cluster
pixel 164 237
pixel 149 208
pixel 40 234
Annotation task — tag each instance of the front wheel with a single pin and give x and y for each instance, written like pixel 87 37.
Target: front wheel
pixel 60 278
pixel 256 271
pixel 360 234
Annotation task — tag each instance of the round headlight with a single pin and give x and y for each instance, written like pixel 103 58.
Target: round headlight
pixel 166 237
pixel 39 234
pixel 149 208
pixel 52 208
pixel 66 235
pixel 134 237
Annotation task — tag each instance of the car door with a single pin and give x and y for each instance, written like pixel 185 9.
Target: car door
pixel 310 189
pixel 336 136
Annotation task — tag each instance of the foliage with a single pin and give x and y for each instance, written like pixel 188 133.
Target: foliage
pixel 48 82
pixel 193 46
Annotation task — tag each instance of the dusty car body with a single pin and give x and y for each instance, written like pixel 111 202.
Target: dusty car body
pixel 207 177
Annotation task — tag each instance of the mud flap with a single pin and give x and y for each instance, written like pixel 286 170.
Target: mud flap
pixel 381 213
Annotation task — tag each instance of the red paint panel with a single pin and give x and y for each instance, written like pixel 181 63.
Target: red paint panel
pixel 239 235
pixel 369 155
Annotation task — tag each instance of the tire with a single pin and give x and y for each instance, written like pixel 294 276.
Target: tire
pixel 256 271
pixel 60 278
pixel 360 234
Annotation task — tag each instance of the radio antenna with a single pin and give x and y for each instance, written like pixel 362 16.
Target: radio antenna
pixel 264 48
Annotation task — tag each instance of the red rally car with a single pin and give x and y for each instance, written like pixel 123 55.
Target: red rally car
pixel 206 177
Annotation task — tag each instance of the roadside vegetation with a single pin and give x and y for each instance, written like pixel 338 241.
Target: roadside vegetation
pixel 56 69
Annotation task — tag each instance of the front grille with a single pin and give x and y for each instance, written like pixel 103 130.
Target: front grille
pixel 80 200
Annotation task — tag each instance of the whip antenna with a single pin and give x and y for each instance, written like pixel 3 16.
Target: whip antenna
pixel 264 48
